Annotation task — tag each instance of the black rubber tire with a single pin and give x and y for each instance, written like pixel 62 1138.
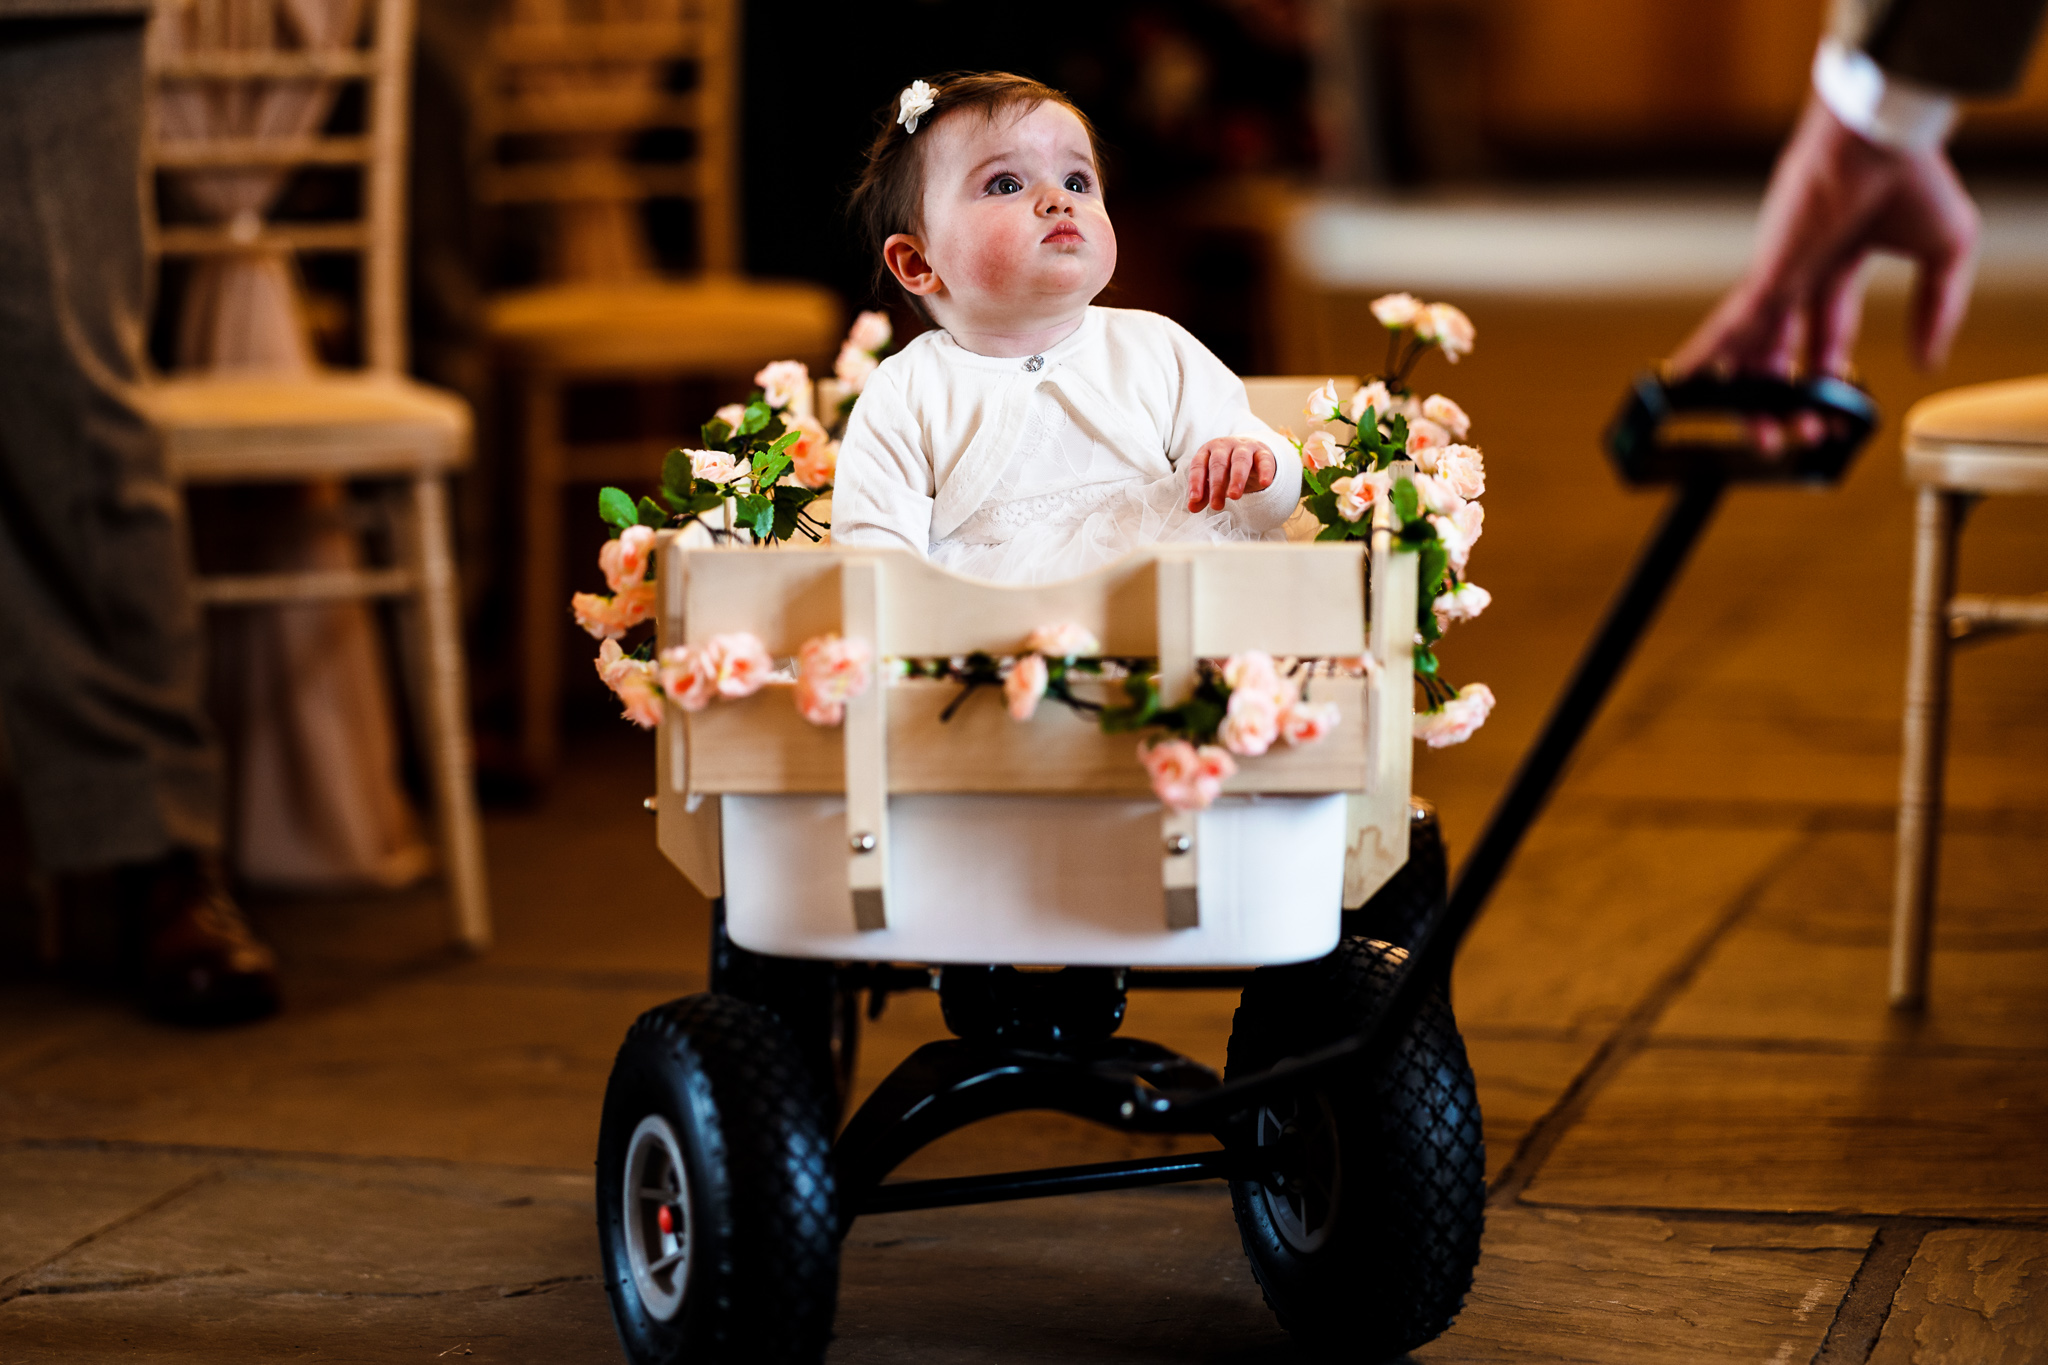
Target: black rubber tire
pixel 811 1000
pixel 762 1225
pixel 1402 1158
pixel 1409 903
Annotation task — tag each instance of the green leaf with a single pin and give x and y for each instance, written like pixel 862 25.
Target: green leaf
pixel 1399 427
pixel 717 432
pixel 1406 505
pixel 763 521
pixel 615 505
pixel 676 470
pixel 1425 663
pixel 1418 532
pixel 794 495
pixel 1334 533
pixel 784 442
pixel 769 468
pixel 757 417
pixel 1431 576
pixel 1313 480
pixel 651 514
pixel 1199 717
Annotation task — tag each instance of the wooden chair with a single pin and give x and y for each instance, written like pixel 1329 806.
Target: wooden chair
pixel 568 88
pixel 1960 446
pixel 372 425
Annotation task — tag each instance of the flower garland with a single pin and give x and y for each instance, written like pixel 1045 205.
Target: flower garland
pixel 1240 707
pixel 770 462
pixel 1349 484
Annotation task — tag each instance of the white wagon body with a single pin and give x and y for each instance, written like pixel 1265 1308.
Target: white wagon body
pixel 901 837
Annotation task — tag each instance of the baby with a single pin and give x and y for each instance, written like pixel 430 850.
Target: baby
pixel 1032 436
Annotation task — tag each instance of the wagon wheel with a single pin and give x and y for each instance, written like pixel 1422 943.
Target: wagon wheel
pixel 1364 1231
pixel 716 1206
pixel 811 999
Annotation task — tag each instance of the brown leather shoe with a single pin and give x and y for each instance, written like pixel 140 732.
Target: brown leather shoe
pixel 199 962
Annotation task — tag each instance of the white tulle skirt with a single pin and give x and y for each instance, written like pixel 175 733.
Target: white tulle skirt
pixel 1057 535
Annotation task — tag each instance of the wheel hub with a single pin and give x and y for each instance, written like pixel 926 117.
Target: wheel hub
pixel 1305 1180
pixel 656 1194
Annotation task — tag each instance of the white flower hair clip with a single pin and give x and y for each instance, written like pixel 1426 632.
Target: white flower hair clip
pixel 913 104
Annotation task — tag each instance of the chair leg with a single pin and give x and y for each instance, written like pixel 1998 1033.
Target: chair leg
pixel 445 718
pixel 543 605
pixel 1938 518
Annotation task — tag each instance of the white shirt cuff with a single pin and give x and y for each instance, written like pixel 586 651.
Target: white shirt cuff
pixel 1889 110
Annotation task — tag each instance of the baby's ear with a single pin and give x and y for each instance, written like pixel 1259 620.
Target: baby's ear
pixel 904 255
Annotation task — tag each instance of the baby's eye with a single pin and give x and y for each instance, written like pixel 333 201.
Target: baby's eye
pixel 1077 183
pixel 1005 184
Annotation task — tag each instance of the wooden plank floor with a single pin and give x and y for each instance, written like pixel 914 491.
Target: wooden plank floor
pixel 1708 1139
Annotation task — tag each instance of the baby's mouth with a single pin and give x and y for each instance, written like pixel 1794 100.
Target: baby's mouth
pixel 1065 232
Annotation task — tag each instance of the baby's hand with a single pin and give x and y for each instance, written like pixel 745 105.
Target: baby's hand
pixel 1227 468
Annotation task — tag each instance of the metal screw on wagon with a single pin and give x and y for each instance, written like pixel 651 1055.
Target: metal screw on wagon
pixel 862 842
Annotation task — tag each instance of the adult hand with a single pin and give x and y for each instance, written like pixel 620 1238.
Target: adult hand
pixel 1226 468
pixel 1834 198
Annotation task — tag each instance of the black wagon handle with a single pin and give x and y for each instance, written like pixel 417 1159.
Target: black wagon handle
pixel 1659 437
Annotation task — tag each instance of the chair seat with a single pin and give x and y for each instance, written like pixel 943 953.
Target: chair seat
pixel 710 325
pixel 1990 438
pixel 264 428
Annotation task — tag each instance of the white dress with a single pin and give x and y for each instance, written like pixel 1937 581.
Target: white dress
pixel 1030 469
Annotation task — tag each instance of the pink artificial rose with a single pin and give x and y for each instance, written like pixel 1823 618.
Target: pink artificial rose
pixel 853 366
pixel 686 679
pixel 1424 438
pixel 1320 451
pixel 1449 328
pixel 814 457
pixel 624 560
pixel 1323 404
pixel 1461 603
pixel 1357 493
pixel 1251 723
pixel 784 382
pixel 1396 310
pixel 1183 777
pixel 1456 720
pixel 835 669
pixel 1459 532
pixel 732 414
pixel 1374 396
pixel 816 469
pixel 1435 495
pixel 1252 671
pixel 607 618
pixel 870 331
pixel 738 663
pixel 1067 641
pixel 718 466
pixel 632 682
pixel 1024 684
pixel 816 707
pixel 1447 414
pixel 1305 722
pixel 1462 470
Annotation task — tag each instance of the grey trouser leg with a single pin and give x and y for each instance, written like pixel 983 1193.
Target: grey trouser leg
pixel 100 682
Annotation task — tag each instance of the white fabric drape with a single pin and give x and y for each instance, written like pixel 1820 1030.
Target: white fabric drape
pixel 318 803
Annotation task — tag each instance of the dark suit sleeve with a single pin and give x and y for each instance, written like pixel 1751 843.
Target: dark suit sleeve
pixel 1966 47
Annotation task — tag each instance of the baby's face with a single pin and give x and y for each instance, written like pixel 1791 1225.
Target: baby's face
pixel 1014 224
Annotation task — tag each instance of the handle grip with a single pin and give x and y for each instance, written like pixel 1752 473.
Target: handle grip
pixel 1648 450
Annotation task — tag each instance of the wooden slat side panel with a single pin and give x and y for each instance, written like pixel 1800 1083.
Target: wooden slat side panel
pixel 1284 599
pixel 936 614
pixel 1377 825
pixel 761 745
pixel 783 596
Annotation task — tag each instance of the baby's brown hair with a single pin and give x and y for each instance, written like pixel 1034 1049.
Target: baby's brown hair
pixel 890 195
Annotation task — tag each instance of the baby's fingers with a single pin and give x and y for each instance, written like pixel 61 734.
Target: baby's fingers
pixel 1198 480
